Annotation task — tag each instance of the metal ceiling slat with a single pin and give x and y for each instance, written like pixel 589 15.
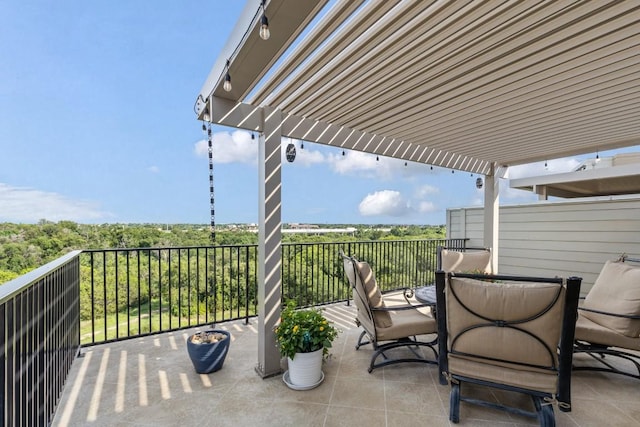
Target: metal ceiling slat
pixel 332 20
pixel 316 85
pixel 523 110
pixel 372 13
pixel 364 75
pixel 594 135
pixel 540 123
pixel 536 89
pixel 541 54
pixel 458 46
pixel 376 57
pixel 548 120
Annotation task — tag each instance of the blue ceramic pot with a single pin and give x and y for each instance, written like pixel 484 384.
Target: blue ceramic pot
pixel 209 357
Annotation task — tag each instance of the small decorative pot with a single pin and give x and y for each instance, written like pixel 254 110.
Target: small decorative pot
pixel 208 357
pixel 305 369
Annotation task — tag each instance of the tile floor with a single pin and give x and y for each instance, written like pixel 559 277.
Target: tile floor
pixel 151 382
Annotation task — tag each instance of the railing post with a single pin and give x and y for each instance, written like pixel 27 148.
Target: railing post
pixel 246 286
pixel 3 364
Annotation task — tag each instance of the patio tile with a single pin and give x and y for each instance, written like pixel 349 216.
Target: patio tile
pixel 150 382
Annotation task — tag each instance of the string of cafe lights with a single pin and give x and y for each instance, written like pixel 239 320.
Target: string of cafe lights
pixel 264 33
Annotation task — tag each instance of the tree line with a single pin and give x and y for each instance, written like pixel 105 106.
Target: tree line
pixel 24 247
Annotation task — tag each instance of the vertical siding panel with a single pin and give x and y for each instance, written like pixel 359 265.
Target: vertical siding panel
pixel 561 238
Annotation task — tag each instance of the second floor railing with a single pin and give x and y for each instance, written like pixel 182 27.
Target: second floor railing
pixel 39 321
pixel 133 292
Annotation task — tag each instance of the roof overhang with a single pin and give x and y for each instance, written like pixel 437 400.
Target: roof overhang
pixel 458 84
pixel 612 181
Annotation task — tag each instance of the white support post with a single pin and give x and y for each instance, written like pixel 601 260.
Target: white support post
pixel 269 242
pixel 492 215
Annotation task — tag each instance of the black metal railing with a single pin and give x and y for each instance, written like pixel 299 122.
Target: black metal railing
pixel 134 292
pixel 39 334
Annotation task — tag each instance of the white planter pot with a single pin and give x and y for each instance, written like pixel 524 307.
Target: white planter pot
pixel 305 370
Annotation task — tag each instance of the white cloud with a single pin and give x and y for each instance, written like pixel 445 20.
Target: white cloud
pixel 426 190
pixel 365 165
pixel 230 147
pixel 21 204
pixel 153 169
pixel 385 202
pixel 426 207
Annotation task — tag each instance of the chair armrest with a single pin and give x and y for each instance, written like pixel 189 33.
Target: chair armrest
pixel 625 316
pixel 401 307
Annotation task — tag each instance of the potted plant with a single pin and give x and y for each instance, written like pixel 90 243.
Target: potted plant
pixel 208 349
pixel 304 337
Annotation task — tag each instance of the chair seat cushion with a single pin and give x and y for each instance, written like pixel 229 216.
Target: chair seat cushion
pixel 528 379
pixel 591 332
pixel 616 290
pixel 407 323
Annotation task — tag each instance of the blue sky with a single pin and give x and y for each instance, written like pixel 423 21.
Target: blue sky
pixel 97 125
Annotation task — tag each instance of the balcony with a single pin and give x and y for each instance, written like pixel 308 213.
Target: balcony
pixel 127 363
pixel 150 381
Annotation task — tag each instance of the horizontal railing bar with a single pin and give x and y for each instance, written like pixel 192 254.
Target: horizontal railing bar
pixel 21 283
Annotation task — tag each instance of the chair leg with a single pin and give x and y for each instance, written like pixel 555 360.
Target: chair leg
pixel 545 412
pixel 360 343
pixel 454 403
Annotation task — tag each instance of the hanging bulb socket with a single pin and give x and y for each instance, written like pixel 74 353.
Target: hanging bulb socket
pixel 227 83
pixel 227 79
pixel 264 28
pixel 264 23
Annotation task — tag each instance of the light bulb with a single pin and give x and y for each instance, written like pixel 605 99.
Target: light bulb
pixel 264 28
pixel 227 83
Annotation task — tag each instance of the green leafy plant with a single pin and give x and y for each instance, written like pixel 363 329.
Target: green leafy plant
pixel 303 331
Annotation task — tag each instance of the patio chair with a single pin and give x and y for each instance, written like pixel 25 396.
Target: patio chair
pixel 389 321
pixel 504 332
pixel 608 327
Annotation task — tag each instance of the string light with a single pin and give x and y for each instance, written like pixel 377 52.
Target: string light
pixel 264 24
pixel 227 80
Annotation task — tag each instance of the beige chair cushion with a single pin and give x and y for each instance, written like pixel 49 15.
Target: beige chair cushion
pixel 407 323
pixel 530 379
pixel 507 302
pixel 382 319
pixel 466 262
pixel 616 290
pixel 593 333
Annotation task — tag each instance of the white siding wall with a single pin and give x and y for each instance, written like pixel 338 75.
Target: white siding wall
pixel 557 238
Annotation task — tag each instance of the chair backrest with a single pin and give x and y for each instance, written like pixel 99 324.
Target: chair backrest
pixel 616 290
pixel 506 329
pixel 468 260
pixel 366 294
